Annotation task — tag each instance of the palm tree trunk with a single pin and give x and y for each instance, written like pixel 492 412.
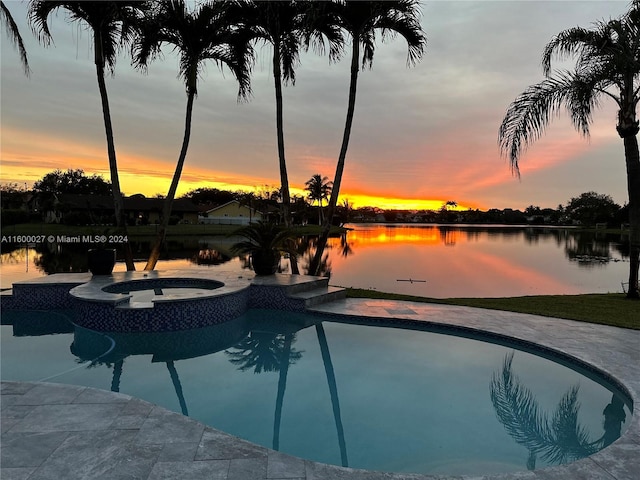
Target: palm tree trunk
pixel 118 201
pixel 333 391
pixel 282 386
pixel 632 158
pixel 335 191
pixel 168 202
pixel 284 179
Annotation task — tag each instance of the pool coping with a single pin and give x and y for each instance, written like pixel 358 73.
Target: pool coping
pixel 93 290
pixel 193 449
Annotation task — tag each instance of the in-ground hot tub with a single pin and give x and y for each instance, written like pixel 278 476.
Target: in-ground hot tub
pixel 159 301
pixel 155 287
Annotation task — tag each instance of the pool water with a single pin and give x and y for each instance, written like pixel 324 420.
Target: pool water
pixel 363 396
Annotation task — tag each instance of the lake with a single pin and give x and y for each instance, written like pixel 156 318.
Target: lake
pixel 437 261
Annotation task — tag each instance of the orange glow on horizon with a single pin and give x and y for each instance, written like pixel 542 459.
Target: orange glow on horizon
pixel 151 176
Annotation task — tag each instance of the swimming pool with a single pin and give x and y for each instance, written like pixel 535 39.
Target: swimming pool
pixel 367 396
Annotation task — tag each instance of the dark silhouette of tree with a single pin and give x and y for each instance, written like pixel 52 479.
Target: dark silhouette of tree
pixel 207 33
pixel 72 181
pixel 319 188
pixel 361 20
pixel 285 26
pixel 214 196
pixel 607 67
pixel 590 208
pixel 111 25
pixel 14 36
pixel 346 210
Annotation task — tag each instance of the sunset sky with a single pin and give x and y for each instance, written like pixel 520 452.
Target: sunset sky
pixel 421 135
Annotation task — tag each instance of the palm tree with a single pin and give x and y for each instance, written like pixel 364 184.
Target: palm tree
pixel 361 19
pixel 319 188
pixel 285 25
pixel 607 67
pixel 207 33
pixel 14 36
pixel 111 24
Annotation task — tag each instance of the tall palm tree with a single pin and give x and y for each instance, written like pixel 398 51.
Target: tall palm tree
pixel 14 36
pixel 361 20
pixel 286 26
pixel 319 188
pixel 607 67
pixel 207 33
pixel 111 24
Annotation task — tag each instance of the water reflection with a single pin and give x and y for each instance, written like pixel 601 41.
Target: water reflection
pixel 491 261
pixel 556 439
pixel 269 348
pixel 112 349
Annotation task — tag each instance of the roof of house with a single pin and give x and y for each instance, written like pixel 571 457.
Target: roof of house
pixel 219 207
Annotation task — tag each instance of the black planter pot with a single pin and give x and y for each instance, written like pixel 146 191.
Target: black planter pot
pixel 101 260
pixel 265 263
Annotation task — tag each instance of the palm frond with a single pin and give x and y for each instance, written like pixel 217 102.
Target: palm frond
pixel 111 23
pixel 14 36
pixel 530 113
pixel 570 43
pixel 206 33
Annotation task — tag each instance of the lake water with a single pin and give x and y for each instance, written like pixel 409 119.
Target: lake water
pixel 427 260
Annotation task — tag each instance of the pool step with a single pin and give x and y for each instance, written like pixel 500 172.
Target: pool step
pixel 320 295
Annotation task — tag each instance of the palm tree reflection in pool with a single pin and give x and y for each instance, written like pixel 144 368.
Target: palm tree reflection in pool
pixel 559 439
pixel 271 351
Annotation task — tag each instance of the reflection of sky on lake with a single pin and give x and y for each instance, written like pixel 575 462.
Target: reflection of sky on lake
pixel 471 263
pixel 454 262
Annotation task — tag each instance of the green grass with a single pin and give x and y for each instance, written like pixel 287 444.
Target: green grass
pixel 607 309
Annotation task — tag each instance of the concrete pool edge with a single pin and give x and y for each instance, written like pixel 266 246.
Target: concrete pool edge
pixel 612 350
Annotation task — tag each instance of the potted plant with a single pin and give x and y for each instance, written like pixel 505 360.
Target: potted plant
pixel 101 259
pixel 265 242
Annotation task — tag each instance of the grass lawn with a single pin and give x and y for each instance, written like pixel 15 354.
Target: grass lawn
pixel 606 309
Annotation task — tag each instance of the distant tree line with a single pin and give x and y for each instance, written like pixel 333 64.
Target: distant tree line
pixel 590 209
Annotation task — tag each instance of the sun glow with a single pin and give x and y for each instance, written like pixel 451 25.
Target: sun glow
pixel 151 176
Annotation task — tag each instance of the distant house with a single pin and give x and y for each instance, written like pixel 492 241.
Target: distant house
pixel 230 213
pixel 143 211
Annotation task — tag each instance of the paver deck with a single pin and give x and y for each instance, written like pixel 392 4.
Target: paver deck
pixel 63 432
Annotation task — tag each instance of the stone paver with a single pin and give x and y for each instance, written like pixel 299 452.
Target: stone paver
pixel 52 431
